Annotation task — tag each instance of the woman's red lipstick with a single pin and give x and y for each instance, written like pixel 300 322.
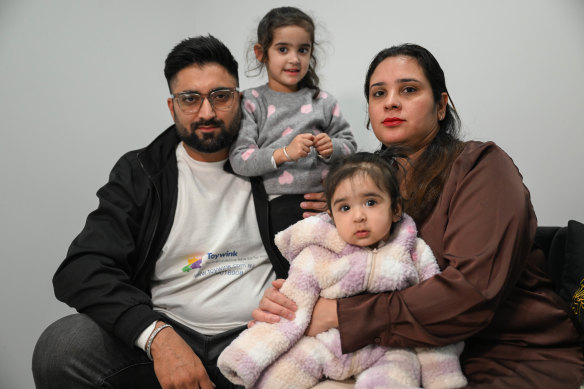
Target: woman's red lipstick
pixel 392 122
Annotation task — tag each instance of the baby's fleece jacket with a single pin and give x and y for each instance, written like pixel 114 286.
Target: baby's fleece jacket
pixel 322 264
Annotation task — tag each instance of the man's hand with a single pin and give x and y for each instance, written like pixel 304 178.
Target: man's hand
pixel 323 144
pixel 175 363
pixel 316 203
pixel 273 305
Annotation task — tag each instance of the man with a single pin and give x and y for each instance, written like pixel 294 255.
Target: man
pixel 174 240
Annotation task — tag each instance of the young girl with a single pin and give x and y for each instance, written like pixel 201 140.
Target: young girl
pixel 373 248
pixel 291 130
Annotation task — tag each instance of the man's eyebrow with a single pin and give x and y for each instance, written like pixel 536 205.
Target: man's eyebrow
pixel 212 90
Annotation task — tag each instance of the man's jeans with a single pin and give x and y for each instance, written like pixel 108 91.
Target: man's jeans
pixel 75 352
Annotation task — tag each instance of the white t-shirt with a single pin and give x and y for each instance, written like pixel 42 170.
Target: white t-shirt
pixel 213 269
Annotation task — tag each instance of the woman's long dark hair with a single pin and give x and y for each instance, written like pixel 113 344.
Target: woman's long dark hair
pixel 429 172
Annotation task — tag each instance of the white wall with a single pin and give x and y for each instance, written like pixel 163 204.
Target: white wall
pixel 81 82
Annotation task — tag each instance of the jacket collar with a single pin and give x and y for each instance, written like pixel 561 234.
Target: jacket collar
pixel 157 154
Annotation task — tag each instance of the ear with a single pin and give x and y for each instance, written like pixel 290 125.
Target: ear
pixel 259 52
pixel 442 105
pixel 170 103
pixel 397 214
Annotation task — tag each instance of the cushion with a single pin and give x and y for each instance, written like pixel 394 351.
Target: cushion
pixel 572 286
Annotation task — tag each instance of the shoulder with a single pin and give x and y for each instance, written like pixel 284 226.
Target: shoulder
pixel 257 92
pixel 323 97
pixel 149 161
pixel 484 171
pixel 482 155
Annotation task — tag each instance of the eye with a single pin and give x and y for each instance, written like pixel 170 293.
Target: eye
pixel 370 203
pixel 283 50
pixel 190 98
pixel 304 50
pixel 220 96
pixel 409 89
pixel 344 208
pixel 377 93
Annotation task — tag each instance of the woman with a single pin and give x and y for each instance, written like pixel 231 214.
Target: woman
pixel 472 208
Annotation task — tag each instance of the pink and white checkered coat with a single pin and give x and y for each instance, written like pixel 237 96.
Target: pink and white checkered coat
pixel 322 264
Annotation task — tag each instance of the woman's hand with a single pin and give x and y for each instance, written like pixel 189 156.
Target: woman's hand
pixel 324 317
pixel 273 305
pixel 316 204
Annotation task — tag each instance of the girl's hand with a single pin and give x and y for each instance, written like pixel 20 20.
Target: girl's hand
pixel 316 204
pixel 300 146
pixel 323 144
pixel 273 305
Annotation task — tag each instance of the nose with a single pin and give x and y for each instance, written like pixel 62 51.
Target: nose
pixel 392 101
pixel 294 59
pixel 358 215
pixel 207 111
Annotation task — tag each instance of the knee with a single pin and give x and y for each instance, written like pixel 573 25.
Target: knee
pixel 60 345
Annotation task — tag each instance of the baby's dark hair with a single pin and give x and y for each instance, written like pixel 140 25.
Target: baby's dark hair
pixel 380 166
pixel 282 17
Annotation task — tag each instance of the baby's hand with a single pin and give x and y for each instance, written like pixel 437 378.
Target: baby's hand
pixel 300 146
pixel 323 144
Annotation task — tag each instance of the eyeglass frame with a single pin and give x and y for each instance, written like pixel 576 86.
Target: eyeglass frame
pixel 206 96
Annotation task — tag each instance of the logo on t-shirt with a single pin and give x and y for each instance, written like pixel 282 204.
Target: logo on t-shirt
pixel 194 263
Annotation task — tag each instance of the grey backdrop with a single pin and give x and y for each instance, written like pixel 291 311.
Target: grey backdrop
pixel 81 82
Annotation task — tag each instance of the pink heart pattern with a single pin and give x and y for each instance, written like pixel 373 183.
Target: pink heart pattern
pixel 322 95
pixel 255 93
pixel 287 131
pixel 336 111
pixel 271 110
pixel 247 153
pixel 286 178
pixel 249 106
pixel 306 108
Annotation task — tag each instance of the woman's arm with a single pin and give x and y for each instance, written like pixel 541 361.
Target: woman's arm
pixel 481 233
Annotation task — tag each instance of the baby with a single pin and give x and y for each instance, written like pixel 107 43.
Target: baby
pixel 364 243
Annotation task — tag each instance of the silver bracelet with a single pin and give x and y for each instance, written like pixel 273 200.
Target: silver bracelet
pixel 151 339
pixel 286 154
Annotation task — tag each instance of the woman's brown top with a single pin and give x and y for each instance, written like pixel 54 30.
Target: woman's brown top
pixel 492 293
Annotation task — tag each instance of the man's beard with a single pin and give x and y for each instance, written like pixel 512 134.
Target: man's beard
pixel 210 143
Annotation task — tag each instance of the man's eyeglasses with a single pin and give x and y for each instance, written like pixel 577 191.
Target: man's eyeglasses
pixel 191 102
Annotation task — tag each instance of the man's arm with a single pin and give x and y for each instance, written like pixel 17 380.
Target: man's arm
pixel 96 276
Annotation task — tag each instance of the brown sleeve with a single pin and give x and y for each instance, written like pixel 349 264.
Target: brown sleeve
pixel 481 232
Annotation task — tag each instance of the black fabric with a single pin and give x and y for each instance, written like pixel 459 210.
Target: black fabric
pixel 564 250
pixel 284 211
pixel 573 276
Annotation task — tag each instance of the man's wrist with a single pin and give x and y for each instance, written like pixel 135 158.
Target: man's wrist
pixel 156 331
pixel 143 337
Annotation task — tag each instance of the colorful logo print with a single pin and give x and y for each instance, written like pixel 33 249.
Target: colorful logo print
pixel 194 263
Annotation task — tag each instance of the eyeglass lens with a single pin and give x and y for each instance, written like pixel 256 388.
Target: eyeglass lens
pixel 192 102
